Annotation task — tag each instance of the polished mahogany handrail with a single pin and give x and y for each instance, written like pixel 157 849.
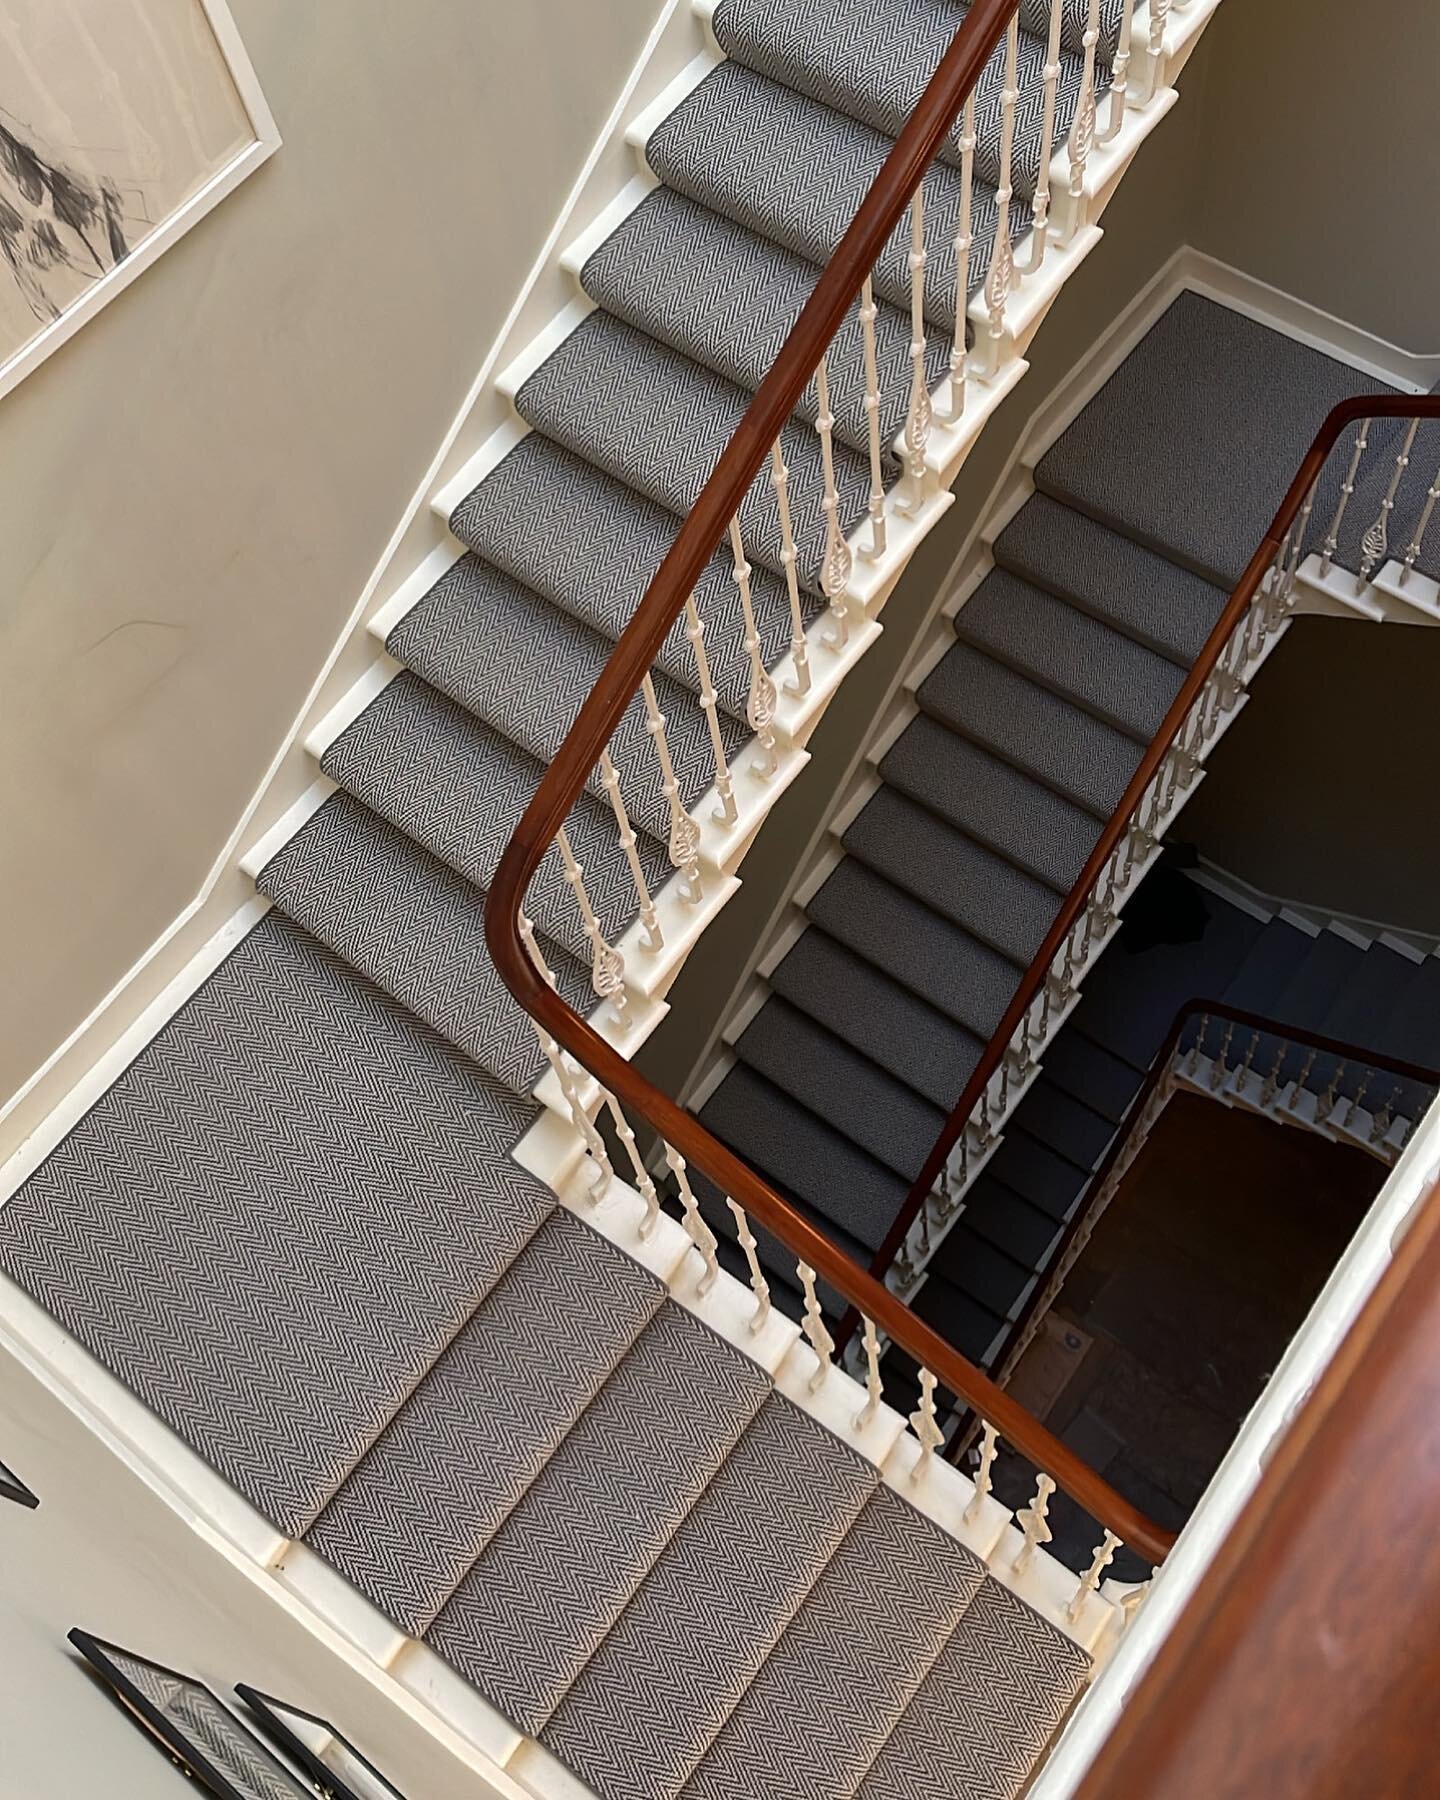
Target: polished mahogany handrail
pixel 699 536
pixel 1135 1112
pixel 1364 406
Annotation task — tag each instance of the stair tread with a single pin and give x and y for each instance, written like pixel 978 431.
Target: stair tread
pixel 897 1029
pixel 935 959
pixel 410 1520
pixel 1328 965
pixel 409 923
pixel 865 1637
pixel 727 298
pixel 657 1692
pixel 840 1085
pixel 1066 1124
pixel 538 1600
pixel 1139 592
pixel 807 1156
pixel 795 171
pixel 981 892
pixel 991 801
pixel 293 1125
pixel 873 61
pixel 1037 1173
pixel 458 787
pixel 983 1716
pixel 591 545
pixel 960 1318
pixel 1000 1216
pixel 1415 1027
pixel 1268 965
pixel 1245 401
pixel 525 668
pixel 977 1267
pixel 649 416
pixel 1079 756
pixel 1104 1082
pixel 1072 654
pixel 1361 1011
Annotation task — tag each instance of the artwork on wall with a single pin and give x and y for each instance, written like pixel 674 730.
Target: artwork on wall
pixel 122 122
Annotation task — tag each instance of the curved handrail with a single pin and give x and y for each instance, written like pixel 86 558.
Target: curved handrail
pixel 699 536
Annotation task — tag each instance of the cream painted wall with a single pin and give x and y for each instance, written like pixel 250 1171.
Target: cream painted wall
pixel 195 489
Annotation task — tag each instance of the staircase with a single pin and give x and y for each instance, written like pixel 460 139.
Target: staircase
pixel 295 1224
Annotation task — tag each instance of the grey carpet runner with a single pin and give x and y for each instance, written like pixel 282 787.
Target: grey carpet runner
pixel 294 1226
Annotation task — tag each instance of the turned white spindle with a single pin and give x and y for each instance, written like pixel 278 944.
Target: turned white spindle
pixel 1385 1118
pixel 1155 49
pixel 874 1386
pixel 1035 1523
pixel 1040 205
pixel 1376 540
pixel 799 647
pixel 836 567
pixel 989 1449
pixel 1082 131
pixel 1422 525
pixel 760 707
pixel 1119 74
pixel 610 781
pixel 759 1286
pixel 725 813
pixel 1272 1076
pixel 813 1326
pixel 607 965
pixel 565 1074
pixel 1357 1101
pixel 964 239
pixel 1347 488
pixel 701 1236
pixel 684 841
pixel 644 1182
pixel 1090 1580
pixel 925 1423
pixel 919 415
pixel 868 314
pixel 1001 274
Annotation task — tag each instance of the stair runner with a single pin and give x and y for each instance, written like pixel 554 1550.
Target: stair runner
pixel 1066 658
pixel 293 1226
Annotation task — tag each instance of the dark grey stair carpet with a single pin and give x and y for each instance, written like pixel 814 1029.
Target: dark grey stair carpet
pixel 856 1001
pixel 982 1270
pixel 795 170
pixel 459 788
pixel 727 298
pixel 865 1637
pixel 841 1086
pixel 970 1326
pixel 1090 1073
pixel 410 924
pixel 647 415
pixel 1269 964
pixel 1039 1174
pixel 525 668
pixel 1065 1123
pixel 1415 1025
pixel 1245 401
pixel 1000 1216
pixel 654 1696
pixel 996 1696
pixel 591 545
pixel 409 1522
pixel 540 1597
pixel 1319 978
pixel 289 1132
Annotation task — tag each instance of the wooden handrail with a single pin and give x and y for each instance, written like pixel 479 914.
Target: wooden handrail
pixel 707 523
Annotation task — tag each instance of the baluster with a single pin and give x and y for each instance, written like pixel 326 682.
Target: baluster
pixel 1036 1524
pixel 610 781
pixel 1272 1080
pixel 946 1204
pixel 725 813
pixel 1347 488
pixel 819 1338
pixel 988 1452
pixel 684 843
pixel 964 238
pixel 1119 75
pixel 835 569
pixel 925 1423
pixel 1383 1120
pixel 1422 525
pixel 868 314
pixel 1155 49
pixel 1198 1045
pixel 759 1286
pixel 799 648
pixel 1376 540
pixel 607 965
pixel 1001 273
pixel 919 415
pixel 1325 1105
pixel 1090 1581
pixel 1242 1075
pixel 874 1387
pixel 760 707
pixel 1040 206
pixel 1218 1070
pixel 1082 131
pixel 555 1056
pixel 1300 1080
pixel 1358 1100
pixel 701 1235
pixel 643 1182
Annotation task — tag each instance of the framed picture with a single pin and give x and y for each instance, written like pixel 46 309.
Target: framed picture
pixel 331 1762
pixel 122 122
